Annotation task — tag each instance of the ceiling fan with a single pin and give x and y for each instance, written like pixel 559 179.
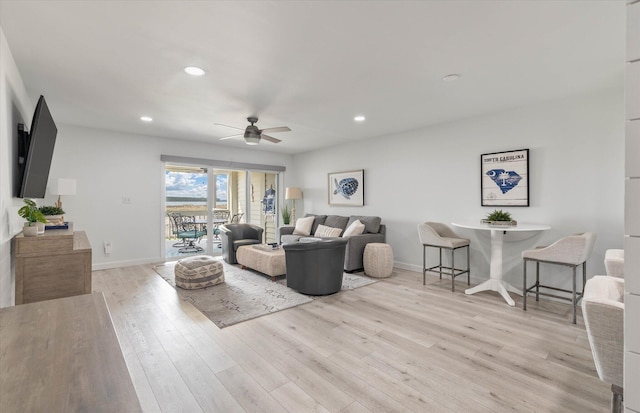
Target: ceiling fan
pixel 253 135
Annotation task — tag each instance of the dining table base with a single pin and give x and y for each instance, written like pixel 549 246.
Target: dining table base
pixel 497 285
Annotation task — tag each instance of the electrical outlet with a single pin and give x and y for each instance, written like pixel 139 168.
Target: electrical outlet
pixel 126 200
pixel 107 247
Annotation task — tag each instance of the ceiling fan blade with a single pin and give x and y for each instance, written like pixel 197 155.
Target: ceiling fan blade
pixel 228 126
pixel 277 129
pixel 232 136
pixel 269 138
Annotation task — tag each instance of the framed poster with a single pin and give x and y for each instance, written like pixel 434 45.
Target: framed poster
pixel 504 178
pixel 346 188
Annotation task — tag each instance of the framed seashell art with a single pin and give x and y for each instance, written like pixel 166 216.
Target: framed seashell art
pixel 346 188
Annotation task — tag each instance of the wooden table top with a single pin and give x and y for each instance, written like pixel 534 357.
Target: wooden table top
pixel 63 355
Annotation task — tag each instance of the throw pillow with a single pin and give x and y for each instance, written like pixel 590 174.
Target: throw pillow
pixel 303 226
pixel 325 231
pixel 356 228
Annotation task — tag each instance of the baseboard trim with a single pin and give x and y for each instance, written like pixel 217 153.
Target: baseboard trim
pixel 129 263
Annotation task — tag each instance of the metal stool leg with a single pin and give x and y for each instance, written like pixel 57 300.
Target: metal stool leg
pixel 424 264
pixel 573 299
pixel 453 269
pixel 524 286
pixel 468 267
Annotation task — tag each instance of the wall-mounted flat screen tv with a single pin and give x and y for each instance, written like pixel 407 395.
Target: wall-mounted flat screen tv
pixel 37 152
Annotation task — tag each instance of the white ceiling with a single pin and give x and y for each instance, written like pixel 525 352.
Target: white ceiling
pixel 310 65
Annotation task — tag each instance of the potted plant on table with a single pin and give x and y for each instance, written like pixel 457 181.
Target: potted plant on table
pixel 53 214
pixel 499 217
pixel 32 214
pixel 286 214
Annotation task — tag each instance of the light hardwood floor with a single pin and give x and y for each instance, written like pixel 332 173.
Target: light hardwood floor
pixel 392 346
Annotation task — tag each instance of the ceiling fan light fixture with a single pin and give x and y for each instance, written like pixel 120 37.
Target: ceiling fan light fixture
pixel 252 139
pixel 194 71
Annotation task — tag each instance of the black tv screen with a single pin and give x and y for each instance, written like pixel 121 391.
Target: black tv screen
pixel 39 151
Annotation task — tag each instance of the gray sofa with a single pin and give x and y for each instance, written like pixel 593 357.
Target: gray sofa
pixel 374 231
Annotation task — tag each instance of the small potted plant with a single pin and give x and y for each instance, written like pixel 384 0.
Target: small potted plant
pixel 53 214
pixel 32 214
pixel 499 217
pixel 286 214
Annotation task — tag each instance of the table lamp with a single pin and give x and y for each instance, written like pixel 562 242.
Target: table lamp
pixel 293 193
pixel 64 186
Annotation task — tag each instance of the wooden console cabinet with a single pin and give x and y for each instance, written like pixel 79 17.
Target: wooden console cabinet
pixel 56 264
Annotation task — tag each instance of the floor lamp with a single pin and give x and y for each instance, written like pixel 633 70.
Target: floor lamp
pixel 293 193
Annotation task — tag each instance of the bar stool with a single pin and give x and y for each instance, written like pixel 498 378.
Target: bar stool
pixel 614 263
pixel 572 251
pixel 438 235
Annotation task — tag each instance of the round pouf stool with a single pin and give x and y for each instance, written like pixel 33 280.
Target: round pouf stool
pixel 378 260
pixel 199 271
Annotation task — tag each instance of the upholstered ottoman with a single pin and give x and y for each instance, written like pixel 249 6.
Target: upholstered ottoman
pixel 378 260
pixel 262 258
pixel 199 271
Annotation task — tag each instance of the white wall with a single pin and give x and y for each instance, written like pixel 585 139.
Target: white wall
pixel 576 165
pixel 109 166
pixel 632 214
pixel 15 107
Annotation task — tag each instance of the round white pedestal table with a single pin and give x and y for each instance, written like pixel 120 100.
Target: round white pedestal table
pixel 495 282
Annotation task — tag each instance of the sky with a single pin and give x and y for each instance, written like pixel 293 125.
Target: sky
pixel 193 185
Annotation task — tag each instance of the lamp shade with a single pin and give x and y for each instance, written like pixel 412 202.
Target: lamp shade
pixel 293 193
pixel 64 186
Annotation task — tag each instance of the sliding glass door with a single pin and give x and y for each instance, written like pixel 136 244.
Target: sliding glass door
pixel 186 210
pixel 199 199
pixel 263 203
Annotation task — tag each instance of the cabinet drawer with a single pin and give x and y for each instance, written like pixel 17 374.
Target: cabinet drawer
pixel 55 277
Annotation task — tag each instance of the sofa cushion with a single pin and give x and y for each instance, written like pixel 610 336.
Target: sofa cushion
pixel 317 220
pixel 325 231
pixel 371 223
pixel 303 226
pixel 289 239
pixel 355 228
pixel 336 221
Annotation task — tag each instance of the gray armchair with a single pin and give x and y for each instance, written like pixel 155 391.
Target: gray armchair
pixel 603 312
pixel 236 235
pixel 315 268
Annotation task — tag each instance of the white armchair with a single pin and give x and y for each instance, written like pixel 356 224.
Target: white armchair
pixel 603 311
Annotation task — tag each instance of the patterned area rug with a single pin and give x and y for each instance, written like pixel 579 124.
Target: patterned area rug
pixel 245 294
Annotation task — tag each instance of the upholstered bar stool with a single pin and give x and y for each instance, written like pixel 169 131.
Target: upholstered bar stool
pixel 614 263
pixel 438 235
pixel 572 251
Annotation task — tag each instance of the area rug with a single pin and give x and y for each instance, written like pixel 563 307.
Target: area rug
pixel 245 294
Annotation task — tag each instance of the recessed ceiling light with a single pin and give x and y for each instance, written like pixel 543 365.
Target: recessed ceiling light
pixel 146 118
pixel 194 71
pixel 359 118
pixel 451 77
